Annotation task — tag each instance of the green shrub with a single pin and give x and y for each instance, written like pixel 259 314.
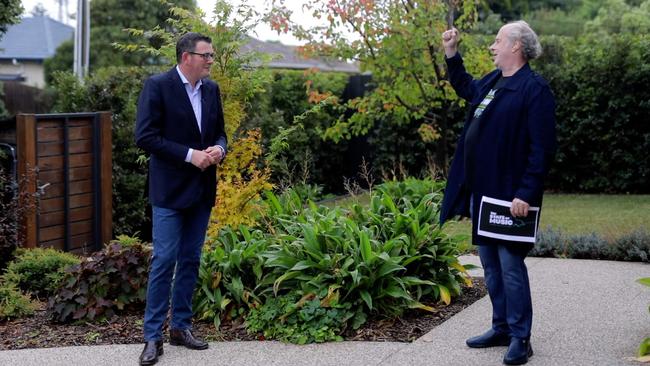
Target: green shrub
pixel 38 271
pixel 634 246
pixel 307 158
pixel 306 272
pixel 550 243
pixel 14 304
pixel 112 280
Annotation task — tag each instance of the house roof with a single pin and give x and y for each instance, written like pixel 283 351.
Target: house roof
pixel 288 58
pixel 34 38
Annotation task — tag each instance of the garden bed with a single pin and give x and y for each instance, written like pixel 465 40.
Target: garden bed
pixel 39 332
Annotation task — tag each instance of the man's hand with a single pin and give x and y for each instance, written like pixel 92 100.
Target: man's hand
pixel 450 40
pixel 215 152
pixel 519 208
pixel 201 159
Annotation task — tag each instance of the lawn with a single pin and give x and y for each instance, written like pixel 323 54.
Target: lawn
pixel 607 215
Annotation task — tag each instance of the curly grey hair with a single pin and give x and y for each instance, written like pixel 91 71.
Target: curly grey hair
pixel 521 31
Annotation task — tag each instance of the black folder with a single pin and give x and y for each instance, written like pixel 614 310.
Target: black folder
pixel 495 221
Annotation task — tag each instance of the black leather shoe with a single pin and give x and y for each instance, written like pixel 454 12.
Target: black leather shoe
pixel 518 352
pixel 152 349
pixel 489 339
pixel 184 337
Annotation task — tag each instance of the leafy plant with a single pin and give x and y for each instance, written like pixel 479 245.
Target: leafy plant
pixel 14 304
pixel 644 347
pixel 304 272
pixel 231 270
pixel 14 205
pixel 112 280
pixel 383 258
pixel 301 319
pixel 38 271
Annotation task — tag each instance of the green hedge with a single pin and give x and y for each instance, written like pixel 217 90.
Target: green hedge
pixel 603 112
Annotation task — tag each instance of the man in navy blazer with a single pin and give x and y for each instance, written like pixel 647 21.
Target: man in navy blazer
pixel 504 152
pixel 180 124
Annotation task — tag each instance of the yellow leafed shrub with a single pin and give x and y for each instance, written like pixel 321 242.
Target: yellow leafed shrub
pixel 240 182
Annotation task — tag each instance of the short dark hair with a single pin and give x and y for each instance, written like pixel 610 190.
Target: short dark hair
pixel 187 43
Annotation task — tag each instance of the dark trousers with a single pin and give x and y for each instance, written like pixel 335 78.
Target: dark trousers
pixel 178 238
pixel 506 278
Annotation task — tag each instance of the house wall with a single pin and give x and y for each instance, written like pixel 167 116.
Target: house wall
pixel 33 71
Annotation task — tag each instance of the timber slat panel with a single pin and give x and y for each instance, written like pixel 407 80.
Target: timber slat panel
pixel 51 205
pixel 56 148
pixel 80 160
pixel 56 134
pixel 80 173
pixel 51 233
pixel 58 231
pixel 56 162
pixel 51 176
pixel 50 163
pixel 58 244
pixel 58 122
pixel 41 142
pixel 76 187
pixel 81 227
pixel 81 213
pixel 58 217
pixel 51 219
pixel 81 200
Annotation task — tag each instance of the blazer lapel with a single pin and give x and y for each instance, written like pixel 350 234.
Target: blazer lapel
pixel 181 93
pixel 205 108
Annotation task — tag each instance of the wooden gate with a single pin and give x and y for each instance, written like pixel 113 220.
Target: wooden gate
pixel 69 159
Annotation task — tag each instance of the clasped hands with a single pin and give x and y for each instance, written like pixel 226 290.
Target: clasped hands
pixel 202 159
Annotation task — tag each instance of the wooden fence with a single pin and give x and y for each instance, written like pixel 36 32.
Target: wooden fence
pixel 66 159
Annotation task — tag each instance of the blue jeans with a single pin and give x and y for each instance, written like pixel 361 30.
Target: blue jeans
pixel 506 279
pixel 178 237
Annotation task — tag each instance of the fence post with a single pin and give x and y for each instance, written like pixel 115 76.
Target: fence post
pixel 26 147
pixel 106 176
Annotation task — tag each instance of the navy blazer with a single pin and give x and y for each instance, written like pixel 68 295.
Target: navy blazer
pixel 166 128
pixel 516 146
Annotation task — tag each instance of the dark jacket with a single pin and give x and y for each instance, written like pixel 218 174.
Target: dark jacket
pixel 516 142
pixel 166 128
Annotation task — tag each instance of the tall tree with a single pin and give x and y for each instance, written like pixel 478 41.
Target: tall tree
pixel 398 42
pixel 10 11
pixel 108 21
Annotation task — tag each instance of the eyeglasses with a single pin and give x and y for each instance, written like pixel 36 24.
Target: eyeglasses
pixel 206 56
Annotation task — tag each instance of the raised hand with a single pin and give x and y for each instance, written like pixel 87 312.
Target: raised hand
pixel 450 40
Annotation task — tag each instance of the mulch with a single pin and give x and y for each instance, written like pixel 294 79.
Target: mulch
pixel 39 332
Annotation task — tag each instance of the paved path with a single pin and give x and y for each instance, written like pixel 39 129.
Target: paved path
pixel 586 313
